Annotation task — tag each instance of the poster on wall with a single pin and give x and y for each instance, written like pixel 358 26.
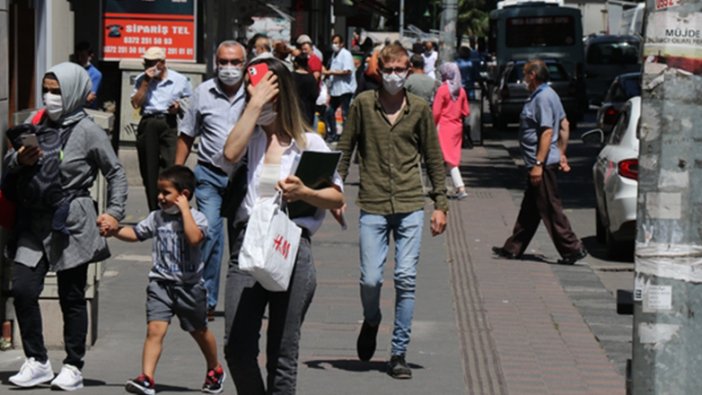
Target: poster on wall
pixel 132 26
pixel 674 40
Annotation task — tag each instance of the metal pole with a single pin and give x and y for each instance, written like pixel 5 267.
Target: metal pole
pixel 448 30
pixel 667 343
pixel 402 18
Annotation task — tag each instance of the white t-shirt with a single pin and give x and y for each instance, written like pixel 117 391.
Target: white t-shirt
pixel 256 151
pixel 430 63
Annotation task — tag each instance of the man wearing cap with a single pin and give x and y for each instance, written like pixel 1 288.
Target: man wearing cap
pixel 159 94
pixel 305 39
pixel 214 109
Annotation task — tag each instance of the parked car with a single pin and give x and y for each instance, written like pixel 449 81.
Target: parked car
pixel 615 177
pixel 623 88
pixel 607 56
pixel 510 94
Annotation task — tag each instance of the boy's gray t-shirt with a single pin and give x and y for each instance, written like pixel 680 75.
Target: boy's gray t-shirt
pixel 173 258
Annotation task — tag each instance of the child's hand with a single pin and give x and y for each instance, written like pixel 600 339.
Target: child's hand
pixel 108 232
pixel 108 225
pixel 293 189
pixel 182 203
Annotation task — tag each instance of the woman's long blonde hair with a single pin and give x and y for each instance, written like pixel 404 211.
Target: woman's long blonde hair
pixel 288 107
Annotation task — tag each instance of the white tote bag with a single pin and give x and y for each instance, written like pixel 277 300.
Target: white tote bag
pixel 270 245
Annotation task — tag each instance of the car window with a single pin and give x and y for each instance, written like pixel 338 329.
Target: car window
pixel 619 129
pixel 619 94
pixel 611 91
pixel 613 53
pixel 515 74
pixel 631 87
pixel 556 72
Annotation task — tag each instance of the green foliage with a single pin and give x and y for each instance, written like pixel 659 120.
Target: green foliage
pixel 472 20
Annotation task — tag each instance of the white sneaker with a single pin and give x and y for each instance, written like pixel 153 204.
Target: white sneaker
pixel 32 373
pixel 69 379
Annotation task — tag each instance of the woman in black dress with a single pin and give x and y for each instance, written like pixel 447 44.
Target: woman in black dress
pixel 307 88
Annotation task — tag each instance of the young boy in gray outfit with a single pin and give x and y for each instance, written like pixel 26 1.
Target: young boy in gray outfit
pixel 175 281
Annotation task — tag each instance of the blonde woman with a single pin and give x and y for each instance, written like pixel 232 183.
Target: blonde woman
pixel 270 134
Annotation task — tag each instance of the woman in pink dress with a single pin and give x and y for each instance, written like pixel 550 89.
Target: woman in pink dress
pixel 450 108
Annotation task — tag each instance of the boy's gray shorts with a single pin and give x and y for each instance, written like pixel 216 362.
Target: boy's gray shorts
pixel 188 302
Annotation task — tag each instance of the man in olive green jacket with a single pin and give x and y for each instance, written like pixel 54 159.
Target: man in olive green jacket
pixel 393 131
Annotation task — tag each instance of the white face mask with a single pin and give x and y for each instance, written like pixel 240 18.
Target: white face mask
pixel 230 75
pixel 173 210
pixel 267 116
pixel 157 71
pixel 393 83
pixel 336 47
pixel 54 106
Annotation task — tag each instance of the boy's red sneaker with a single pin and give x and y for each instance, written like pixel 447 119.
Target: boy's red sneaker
pixel 213 381
pixel 143 385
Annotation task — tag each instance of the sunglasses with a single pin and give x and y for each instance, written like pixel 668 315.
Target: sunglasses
pixel 396 70
pixel 150 63
pixel 233 62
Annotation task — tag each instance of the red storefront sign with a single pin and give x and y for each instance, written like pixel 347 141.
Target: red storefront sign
pixel 130 27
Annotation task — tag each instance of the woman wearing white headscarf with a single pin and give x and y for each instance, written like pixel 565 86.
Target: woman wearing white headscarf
pixel 85 151
pixel 450 108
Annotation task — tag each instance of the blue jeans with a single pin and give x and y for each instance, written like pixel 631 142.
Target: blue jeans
pixel 375 230
pixel 208 195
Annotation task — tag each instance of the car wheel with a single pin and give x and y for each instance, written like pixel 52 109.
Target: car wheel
pixel 600 228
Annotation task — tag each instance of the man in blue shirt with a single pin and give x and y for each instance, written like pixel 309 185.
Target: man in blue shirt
pixel 83 55
pixel 159 92
pixel 543 138
pixel 215 108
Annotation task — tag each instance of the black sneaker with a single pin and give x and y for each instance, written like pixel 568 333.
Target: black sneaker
pixel 214 380
pixel 365 345
pixel 143 385
pixel 398 369
pixel 572 258
pixel 503 253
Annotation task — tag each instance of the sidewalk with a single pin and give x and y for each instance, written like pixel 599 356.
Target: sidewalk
pixel 481 326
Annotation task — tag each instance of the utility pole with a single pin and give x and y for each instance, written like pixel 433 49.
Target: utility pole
pixel 448 31
pixel 667 344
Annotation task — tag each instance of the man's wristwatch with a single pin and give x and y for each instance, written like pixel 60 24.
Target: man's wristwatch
pixel 539 163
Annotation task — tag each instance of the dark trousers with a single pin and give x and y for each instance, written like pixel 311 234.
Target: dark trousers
pixel 156 144
pixel 245 305
pixel 543 203
pixel 27 284
pixel 344 101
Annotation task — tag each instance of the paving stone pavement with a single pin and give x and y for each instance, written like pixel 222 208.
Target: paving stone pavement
pixel 482 325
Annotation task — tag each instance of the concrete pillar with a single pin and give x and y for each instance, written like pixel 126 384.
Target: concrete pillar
pixel 667 343
pixel 449 16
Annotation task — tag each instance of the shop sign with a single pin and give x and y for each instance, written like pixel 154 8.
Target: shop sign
pixel 130 27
